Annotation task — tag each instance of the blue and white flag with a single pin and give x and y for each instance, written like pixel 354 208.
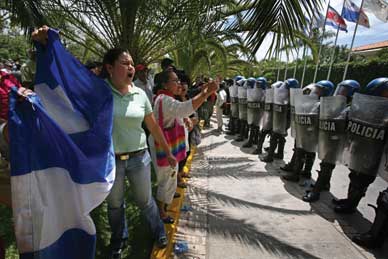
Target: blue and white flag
pixel 62 160
pixel 352 13
pixel 379 8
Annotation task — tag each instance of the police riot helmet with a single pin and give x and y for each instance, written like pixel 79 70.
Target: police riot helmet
pixel 309 88
pixel 324 88
pixel 261 82
pixel 347 88
pixel 241 82
pixel 251 82
pixel 291 83
pixel 277 84
pixel 237 78
pixel 377 87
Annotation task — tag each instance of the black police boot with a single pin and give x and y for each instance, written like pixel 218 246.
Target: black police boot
pixel 375 237
pixel 293 176
pixel 305 175
pixel 232 127
pixel 241 135
pixel 308 165
pixel 336 201
pixel 260 141
pixel 322 183
pixel 268 158
pixel 247 128
pixel 249 143
pixel 357 189
pixel 289 167
pixel 350 205
pixel 281 144
pixel 256 135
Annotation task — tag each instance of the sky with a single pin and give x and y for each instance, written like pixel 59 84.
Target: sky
pixel 377 32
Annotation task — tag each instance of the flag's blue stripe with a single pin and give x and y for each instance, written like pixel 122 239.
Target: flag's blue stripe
pixel 333 24
pixel 73 244
pixel 38 143
pixel 350 15
pixel 57 67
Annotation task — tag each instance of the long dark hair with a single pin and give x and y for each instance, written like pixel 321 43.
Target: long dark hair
pixel 109 58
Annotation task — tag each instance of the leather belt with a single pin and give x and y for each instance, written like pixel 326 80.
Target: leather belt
pixel 128 155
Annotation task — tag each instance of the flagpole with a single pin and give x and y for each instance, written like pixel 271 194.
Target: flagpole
pixel 286 70
pixel 304 65
pixel 304 54
pixel 320 45
pixel 278 55
pixel 296 63
pixel 335 44
pixel 351 45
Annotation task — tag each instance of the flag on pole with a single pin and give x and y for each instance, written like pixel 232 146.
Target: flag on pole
pixel 352 12
pixel 335 20
pixel 318 21
pixel 62 160
pixel 378 7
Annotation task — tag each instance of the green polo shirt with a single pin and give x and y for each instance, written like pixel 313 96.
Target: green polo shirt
pixel 128 114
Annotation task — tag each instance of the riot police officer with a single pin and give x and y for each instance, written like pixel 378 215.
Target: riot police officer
pixel 332 123
pixel 266 119
pixel 242 109
pixel 306 119
pixel 281 120
pixel 365 139
pixel 255 94
pixel 261 84
pixel 234 121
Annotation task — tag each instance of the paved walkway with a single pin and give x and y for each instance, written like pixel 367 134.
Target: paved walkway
pixel 242 209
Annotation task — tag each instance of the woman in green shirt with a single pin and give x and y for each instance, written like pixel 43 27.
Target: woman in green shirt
pixel 131 107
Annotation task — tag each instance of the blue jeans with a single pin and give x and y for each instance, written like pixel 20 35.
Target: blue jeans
pixel 138 171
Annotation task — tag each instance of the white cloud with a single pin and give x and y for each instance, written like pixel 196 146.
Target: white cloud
pixel 376 33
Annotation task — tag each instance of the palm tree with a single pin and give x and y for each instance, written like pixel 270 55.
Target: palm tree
pixel 144 27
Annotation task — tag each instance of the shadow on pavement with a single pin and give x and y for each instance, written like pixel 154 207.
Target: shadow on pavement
pixel 226 226
pixel 350 224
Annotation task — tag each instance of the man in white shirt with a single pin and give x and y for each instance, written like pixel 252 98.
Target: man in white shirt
pixel 142 80
pixel 221 99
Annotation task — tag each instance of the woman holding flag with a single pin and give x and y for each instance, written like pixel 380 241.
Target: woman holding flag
pixel 130 108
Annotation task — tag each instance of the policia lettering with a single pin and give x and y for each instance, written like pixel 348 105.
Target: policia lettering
pixel 367 131
pixel 254 105
pixel 304 120
pixel 332 125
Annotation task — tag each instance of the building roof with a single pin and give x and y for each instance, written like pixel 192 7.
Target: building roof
pixel 373 46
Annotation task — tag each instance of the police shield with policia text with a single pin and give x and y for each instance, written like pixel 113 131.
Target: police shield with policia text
pixel 332 122
pixel 234 115
pixel 306 123
pixel 242 109
pixel 255 94
pixel 365 140
pixel 281 120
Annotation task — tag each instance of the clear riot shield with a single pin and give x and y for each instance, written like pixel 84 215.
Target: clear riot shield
pixel 293 93
pixel 254 96
pixel 306 122
pixel 266 121
pixel 234 101
pixel 242 103
pixel 281 118
pixel 365 133
pixel 332 122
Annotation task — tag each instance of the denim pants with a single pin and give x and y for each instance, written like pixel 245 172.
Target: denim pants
pixel 138 171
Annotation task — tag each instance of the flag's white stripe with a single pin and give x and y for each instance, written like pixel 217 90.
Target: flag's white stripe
pixel 60 109
pixel 41 219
